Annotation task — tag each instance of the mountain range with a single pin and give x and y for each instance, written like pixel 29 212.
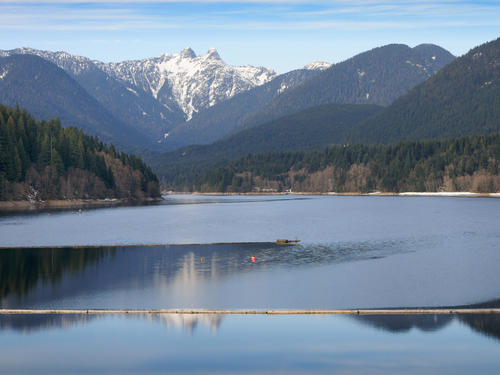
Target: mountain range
pixel 378 76
pixel 462 98
pixel 153 95
pixel 181 99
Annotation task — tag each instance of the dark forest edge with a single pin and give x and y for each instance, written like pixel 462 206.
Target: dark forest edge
pixel 41 160
pixel 465 164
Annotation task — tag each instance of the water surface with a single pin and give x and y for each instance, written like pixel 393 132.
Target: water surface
pixel 355 252
pixel 251 344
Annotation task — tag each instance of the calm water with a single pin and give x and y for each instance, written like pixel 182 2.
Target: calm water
pixel 355 252
pixel 251 344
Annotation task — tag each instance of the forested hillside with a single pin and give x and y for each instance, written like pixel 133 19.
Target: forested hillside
pixel 314 127
pixel 46 91
pixel 377 77
pixel 42 160
pixel 461 99
pixel 221 119
pixel 470 164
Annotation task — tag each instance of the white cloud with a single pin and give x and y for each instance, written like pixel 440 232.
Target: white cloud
pixel 128 15
pixel 165 26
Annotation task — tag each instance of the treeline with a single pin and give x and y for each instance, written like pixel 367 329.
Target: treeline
pixel 42 160
pixel 459 164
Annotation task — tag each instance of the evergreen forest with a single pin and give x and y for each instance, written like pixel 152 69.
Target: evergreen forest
pixel 41 160
pixel 469 164
pixel 463 98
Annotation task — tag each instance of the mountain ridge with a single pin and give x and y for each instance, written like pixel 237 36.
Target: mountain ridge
pixel 157 98
pixel 378 76
pixel 27 81
pixel 217 121
pixel 183 73
pixel 461 99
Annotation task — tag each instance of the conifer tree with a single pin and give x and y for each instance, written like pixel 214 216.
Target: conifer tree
pixel 57 161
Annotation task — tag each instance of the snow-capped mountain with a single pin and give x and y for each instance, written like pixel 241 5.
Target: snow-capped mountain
pixel 130 104
pixel 176 80
pixel 317 65
pixel 74 65
pixel 190 81
pixel 157 94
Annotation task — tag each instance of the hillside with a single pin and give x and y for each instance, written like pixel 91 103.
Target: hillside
pixel 217 121
pixel 466 164
pixel 130 104
pixel 376 77
pixel 48 91
pixel 126 102
pixel 461 99
pixel 315 127
pixel 42 160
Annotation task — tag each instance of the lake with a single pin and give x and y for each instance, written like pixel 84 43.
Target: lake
pixel 354 253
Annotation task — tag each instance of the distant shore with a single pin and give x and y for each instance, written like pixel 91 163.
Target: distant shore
pixel 27 205
pixel 66 203
pixel 406 194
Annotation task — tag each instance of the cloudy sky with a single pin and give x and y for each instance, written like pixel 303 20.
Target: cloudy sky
pixel 283 35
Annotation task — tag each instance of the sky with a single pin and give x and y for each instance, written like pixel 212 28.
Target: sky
pixel 283 35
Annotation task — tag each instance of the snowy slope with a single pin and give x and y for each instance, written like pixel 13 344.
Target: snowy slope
pixel 74 65
pixel 317 65
pixel 189 81
pixel 160 92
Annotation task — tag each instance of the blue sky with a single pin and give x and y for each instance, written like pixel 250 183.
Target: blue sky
pixel 283 35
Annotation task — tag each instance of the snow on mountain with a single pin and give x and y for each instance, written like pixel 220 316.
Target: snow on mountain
pixel 176 80
pixel 70 63
pixel 192 82
pixel 317 65
pixel 180 82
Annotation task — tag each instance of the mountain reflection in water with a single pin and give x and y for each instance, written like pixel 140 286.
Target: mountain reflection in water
pixel 26 273
pixel 233 276
pixel 486 324
pixel 31 323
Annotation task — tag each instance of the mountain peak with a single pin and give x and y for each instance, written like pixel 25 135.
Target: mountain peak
pixel 317 65
pixel 188 53
pixel 213 54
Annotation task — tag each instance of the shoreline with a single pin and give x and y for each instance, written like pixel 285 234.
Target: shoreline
pixel 76 203
pixel 374 194
pixel 63 203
